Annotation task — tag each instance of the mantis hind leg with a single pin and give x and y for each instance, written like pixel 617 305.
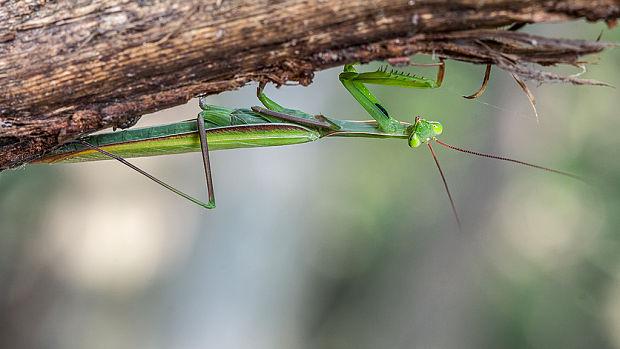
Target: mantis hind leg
pixel 205 157
pixel 204 148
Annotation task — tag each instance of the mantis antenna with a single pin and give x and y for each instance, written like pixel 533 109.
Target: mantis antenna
pixel 445 184
pixel 579 178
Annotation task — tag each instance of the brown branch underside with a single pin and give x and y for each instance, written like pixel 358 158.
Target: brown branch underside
pixel 69 70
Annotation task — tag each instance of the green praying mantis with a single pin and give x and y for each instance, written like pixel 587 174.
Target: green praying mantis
pixel 224 128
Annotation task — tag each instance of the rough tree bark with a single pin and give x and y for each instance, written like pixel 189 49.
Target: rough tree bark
pixel 68 68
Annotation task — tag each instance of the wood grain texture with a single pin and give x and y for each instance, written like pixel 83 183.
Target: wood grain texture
pixel 69 68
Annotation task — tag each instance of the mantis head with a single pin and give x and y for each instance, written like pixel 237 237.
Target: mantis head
pixel 423 131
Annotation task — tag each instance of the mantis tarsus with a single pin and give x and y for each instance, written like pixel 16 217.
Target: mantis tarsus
pixel 225 128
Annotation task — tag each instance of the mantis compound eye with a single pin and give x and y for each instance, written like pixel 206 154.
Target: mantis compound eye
pixel 414 140
pixel 437 128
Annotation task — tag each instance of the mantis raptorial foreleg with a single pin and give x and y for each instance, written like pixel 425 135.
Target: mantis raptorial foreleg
pixel 354 83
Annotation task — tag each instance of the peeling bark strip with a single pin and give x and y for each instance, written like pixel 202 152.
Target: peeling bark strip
pixel 70 68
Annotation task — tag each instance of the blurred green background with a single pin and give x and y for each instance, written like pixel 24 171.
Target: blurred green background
pixel 341 243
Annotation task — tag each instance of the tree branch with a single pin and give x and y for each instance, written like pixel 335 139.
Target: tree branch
pixel 68 69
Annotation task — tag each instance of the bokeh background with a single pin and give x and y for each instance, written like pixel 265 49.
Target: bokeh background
pixel 341 243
